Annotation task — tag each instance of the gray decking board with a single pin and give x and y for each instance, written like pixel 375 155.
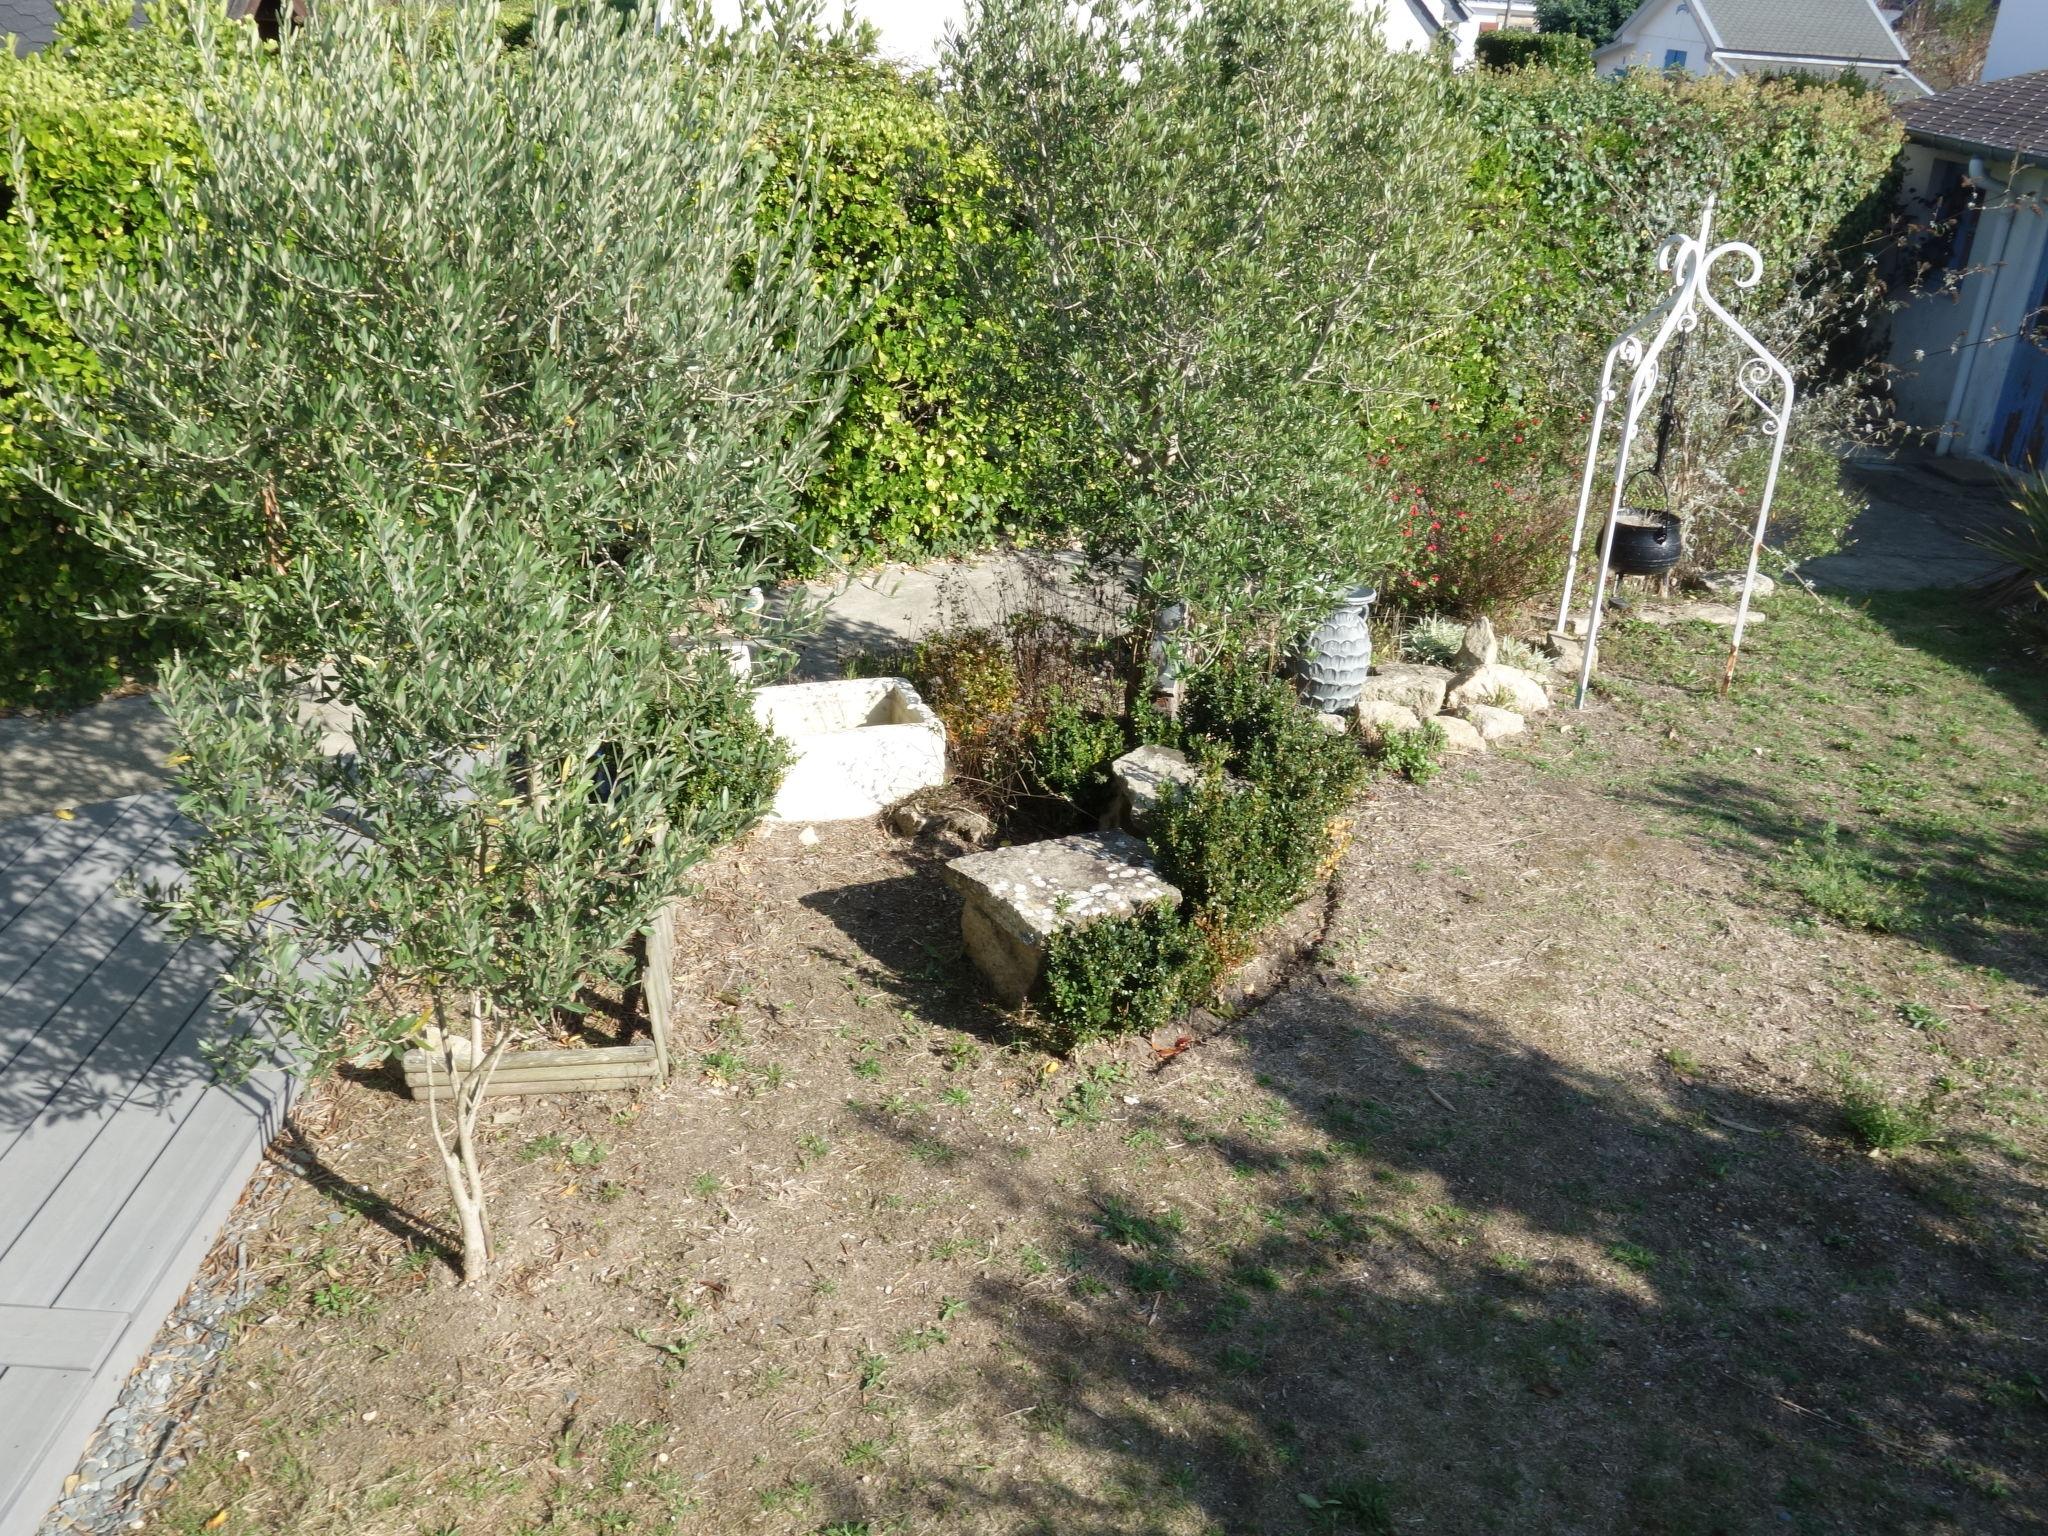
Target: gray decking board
pixel 119 1157
pixel 58 1338
pixel 65 844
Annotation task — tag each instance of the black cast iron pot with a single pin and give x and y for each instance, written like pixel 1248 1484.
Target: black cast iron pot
pixel 1646 542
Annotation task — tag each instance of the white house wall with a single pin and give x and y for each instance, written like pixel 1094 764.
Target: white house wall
pixel 1931 336
pixel 2019 40
pixel 1670 25
pixel 1925 334
pixel 1399 27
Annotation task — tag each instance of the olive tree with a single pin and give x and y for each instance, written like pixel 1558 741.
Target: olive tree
pixel 1249 230
pixel 459 405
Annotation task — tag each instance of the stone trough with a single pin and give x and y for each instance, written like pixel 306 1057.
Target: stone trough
pixel 860 746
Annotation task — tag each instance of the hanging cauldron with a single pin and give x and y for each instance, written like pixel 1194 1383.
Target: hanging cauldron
pixel 1646 539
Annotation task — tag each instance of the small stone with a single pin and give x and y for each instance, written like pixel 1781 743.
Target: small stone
pixel 1721 614
pixel 808 837
pixel 1413 685
pixel 1460 736
pixel 908 821
pixel 1377 720
pixel 1494 723
pixel 1503 687
pixel 966 823
pixel 1142 777
pixel 1334 724
pixel 1480 647
pixel 1729 584
pixel 1566 652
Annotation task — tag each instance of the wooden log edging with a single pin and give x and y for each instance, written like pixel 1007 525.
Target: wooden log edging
pixel 600 1069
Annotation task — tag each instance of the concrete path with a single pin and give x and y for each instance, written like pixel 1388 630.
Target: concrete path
pixel 121 747
pixel 99 753
pixel 1916 531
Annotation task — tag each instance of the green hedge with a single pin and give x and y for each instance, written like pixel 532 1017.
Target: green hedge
pixel 1521 50
pixel 918 462
pixel 101 132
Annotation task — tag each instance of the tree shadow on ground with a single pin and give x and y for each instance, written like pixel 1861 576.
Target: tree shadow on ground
pixel 1978 893
pixel 1961 630
pixel 909 926
pixel 1429 1278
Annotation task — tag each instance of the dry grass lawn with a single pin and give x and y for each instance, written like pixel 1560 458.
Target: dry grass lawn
pixel 1637 1155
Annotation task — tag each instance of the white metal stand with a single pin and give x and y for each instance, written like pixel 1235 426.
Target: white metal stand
pixel 1690 259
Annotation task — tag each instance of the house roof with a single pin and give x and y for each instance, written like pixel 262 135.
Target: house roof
pixel 1441 13
pixel 1999 117
pixel 1806 30
pixel 1832 29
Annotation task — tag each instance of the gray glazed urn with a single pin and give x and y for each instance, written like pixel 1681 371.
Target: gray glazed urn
pixel 1336 658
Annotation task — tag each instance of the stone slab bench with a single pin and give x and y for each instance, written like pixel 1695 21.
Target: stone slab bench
pixel 1018 898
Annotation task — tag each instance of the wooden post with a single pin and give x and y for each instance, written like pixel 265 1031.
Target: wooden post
pixel 657 984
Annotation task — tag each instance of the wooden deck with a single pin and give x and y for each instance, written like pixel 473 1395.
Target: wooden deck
pixel 119 1159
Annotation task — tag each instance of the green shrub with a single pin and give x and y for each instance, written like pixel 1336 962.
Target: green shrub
pixel 1240 853
pixel 1243 846
pixel 1486 516
pixel 1594 20
pixel 1121 976
pixel 1268 739
pixel 1069 752
pixel 1518 49
pixel 1416 755
pixel 920 459
pixel 969 679
pixel 104 136
pixel 461 389
pixel 1229 275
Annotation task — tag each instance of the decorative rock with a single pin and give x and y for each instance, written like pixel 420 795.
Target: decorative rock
pixel 1017 898
pixel 1377 720
pixel 1729 584
pixel 1142 775
pixel 1494 723
pixel 859 745
pixel 1480 647
pixel 1566 651
pixel 1505 687
pixel 1413 685
pixel 908 820
pixel 1460 735
pixel 1334 724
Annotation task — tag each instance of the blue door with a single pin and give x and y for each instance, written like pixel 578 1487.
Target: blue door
pixel 2019 428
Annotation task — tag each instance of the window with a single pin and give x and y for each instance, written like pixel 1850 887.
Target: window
pixel 1674 58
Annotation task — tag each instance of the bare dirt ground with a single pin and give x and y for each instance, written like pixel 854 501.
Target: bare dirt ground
pixel 1530 1205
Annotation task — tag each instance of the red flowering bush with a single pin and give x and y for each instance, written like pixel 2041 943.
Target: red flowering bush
pixel 1484 517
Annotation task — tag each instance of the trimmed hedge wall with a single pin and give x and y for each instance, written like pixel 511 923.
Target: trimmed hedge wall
pixel 97 147
pixel 1521 50
pixel 918 462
